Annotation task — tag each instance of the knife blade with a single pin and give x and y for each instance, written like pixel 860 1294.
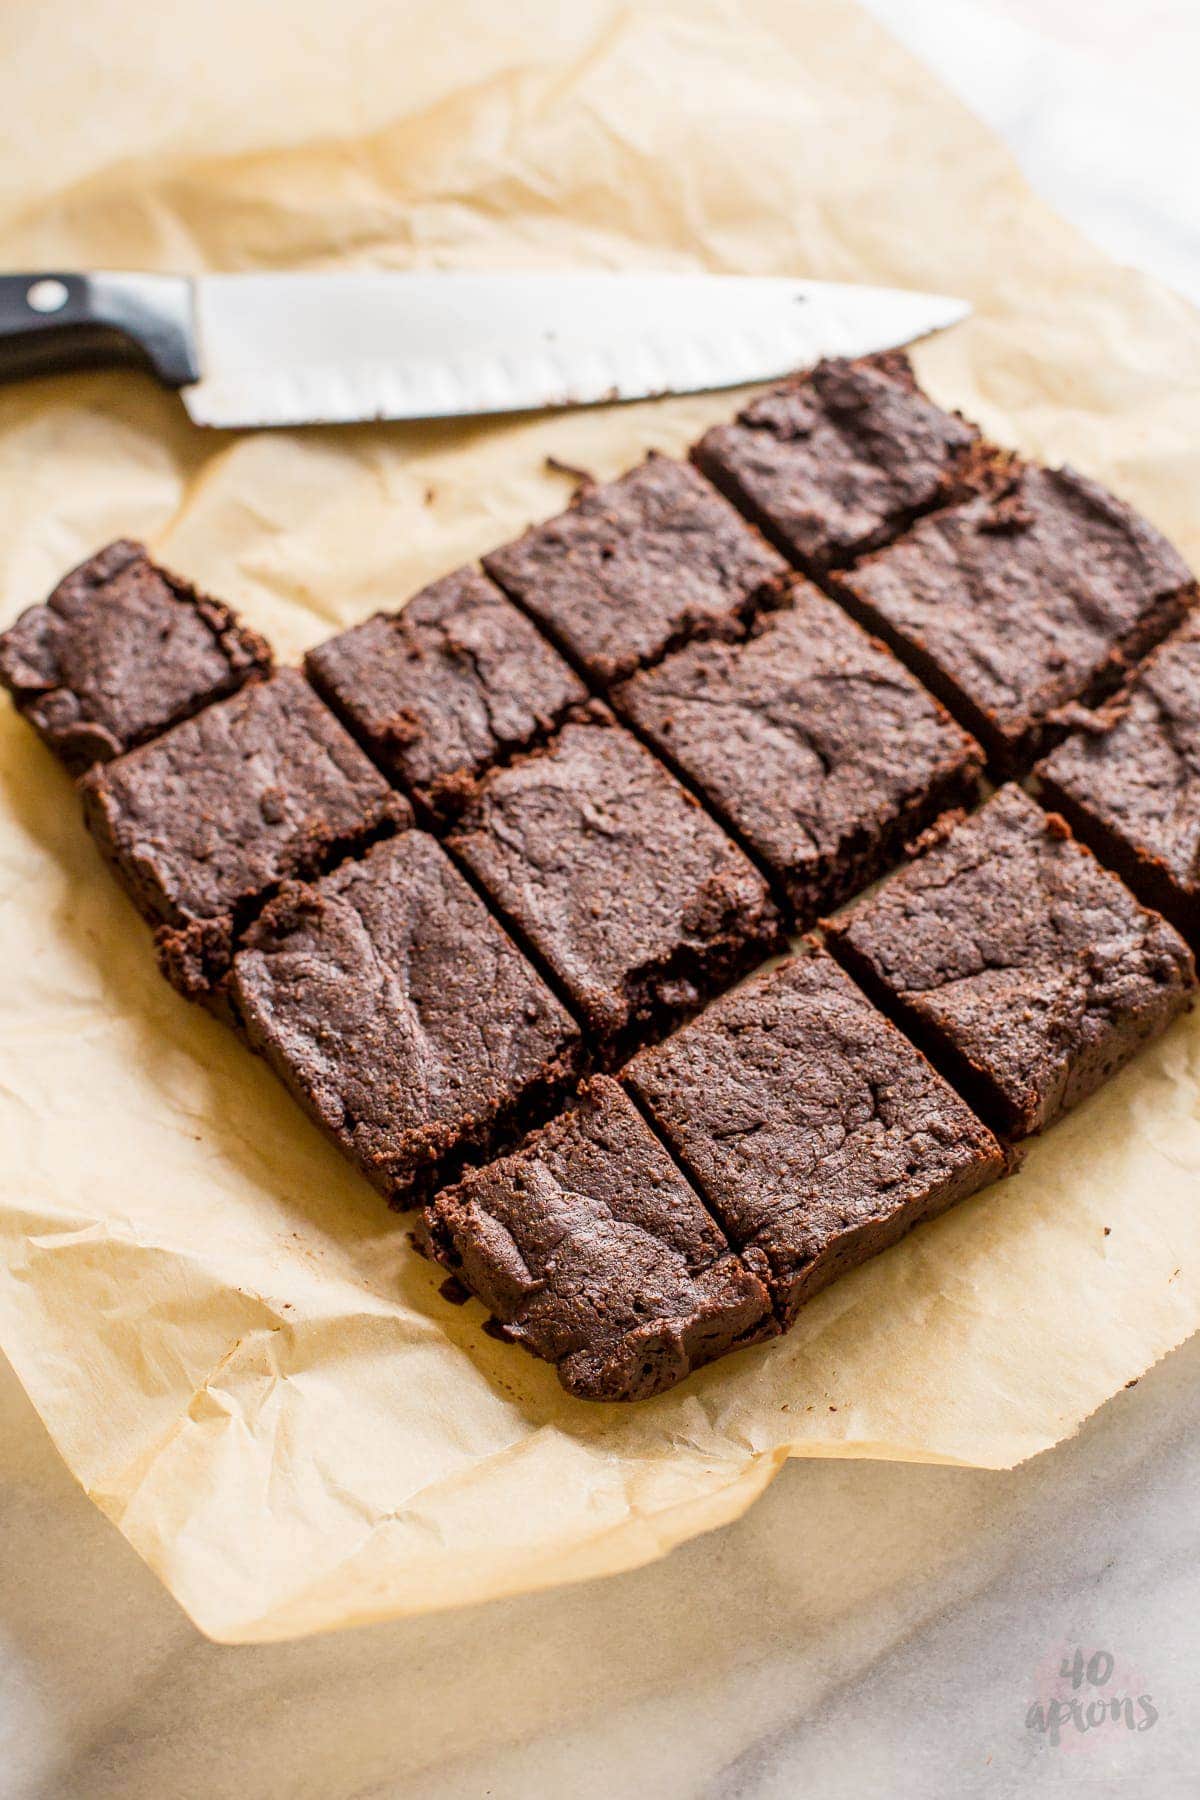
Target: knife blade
pixel 296 349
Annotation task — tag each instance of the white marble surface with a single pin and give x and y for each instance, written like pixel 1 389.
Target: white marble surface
pixel 958 1590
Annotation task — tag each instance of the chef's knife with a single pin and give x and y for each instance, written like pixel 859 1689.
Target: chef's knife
pixel 249 350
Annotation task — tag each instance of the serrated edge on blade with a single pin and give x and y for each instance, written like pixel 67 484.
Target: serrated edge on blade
pixel 487 383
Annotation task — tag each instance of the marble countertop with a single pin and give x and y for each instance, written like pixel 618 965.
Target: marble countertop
pixel 950 1666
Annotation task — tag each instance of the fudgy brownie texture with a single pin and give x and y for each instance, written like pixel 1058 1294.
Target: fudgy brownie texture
pixel 811 742
pixel 635 568
pixel 589 1249
pixel 439 692
pixel 120 651
pixel 1025 969
pixel 631 896
pixel 204 823
pixel 1129 784
pixel 812 1127
pixel 840 459
pixel 1012 609
pixel 402 1018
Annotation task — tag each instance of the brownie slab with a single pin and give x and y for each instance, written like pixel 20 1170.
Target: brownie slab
pixel 632 897
pixel 1022 966
pixel 201 825
pixel 121 650
pixel 815 746
pixel 1011 609
pixel 811 1126
pixel 400 1016
pixel 440 691
pixel 1130 787
pixel 590 1250
pixel 840 459
pixel 635 568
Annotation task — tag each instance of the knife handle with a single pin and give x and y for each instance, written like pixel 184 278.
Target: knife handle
pixel 52 322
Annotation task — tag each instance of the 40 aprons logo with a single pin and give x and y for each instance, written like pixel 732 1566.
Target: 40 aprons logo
pixel 1079 1697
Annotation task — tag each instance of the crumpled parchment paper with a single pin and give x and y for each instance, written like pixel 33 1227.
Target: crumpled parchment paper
pixel 225 1331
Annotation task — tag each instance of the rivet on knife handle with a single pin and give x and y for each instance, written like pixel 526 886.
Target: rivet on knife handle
pixel 51 321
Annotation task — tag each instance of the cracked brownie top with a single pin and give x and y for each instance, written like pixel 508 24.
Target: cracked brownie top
pixel 590 1249
pixel 638 566
pixel 812 1127
pixel 203 823
pixel 1011 954
pixel 812 742
pixel 633 897
pixel 1011 609
pixel 121 650
pixel 838 460
pixel 1130 782
pixel 397 1011
pixel 438 692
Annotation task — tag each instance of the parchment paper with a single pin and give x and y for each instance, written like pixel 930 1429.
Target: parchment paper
pixel 224 1330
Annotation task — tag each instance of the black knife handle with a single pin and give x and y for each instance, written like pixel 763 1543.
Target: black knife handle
pixel 50 322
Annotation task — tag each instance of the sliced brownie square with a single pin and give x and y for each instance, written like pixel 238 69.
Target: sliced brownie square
pixel 842 458
pixel 1129 784
pixel 812 1127
pixel 1025 969
pixel 1013 609
pixel 590 1250
pixel 632 898
pixel 205 822
pixel 812 743
pixel 121 650
pixel 440 691
pixel 638 566
pixel 401 1017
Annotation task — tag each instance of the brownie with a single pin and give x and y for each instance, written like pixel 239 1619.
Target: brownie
pixel 840 459
pixel 206 821
pixel 632 898
pixel 635 568
pixel 1012 609
pixel 1129 784
pixel 121 650
pixel 818 750
pixel 400 1016
pixel 1024 968
pixel 439 692
pixel 590 1250
pixel 811 1126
